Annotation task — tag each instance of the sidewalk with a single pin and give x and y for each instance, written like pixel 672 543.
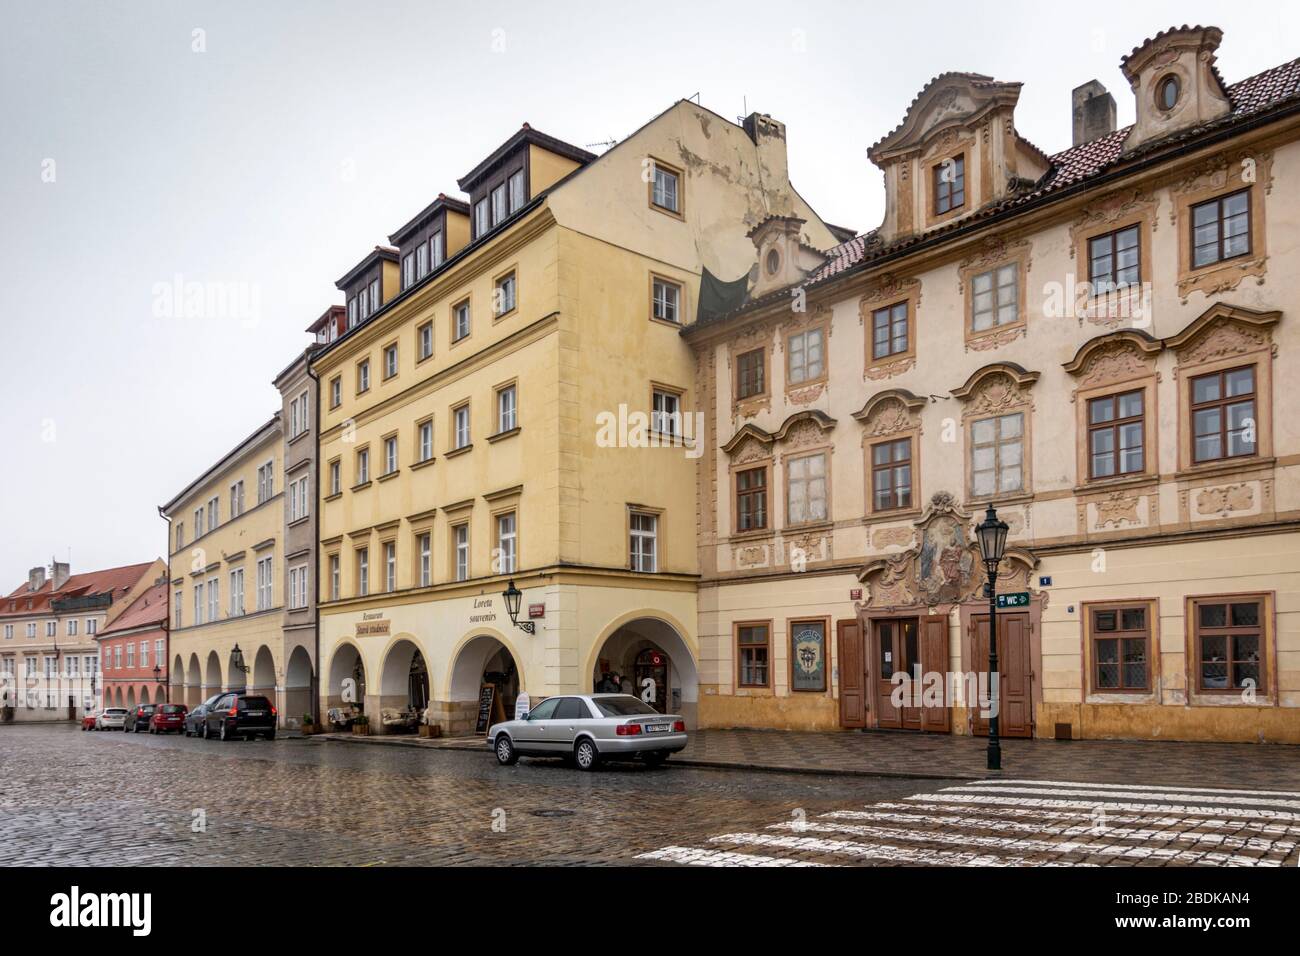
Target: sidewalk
pixel 942 756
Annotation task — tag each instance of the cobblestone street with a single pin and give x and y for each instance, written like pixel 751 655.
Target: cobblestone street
pixel 136 800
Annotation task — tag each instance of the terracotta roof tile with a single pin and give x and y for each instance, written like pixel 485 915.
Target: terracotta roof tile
pixel 78 585
pixel 148 608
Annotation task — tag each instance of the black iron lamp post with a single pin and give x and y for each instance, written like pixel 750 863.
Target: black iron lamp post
pixel 237 660
pixel 992 534
pixel 512 596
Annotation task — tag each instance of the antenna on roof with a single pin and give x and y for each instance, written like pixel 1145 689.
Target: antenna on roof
pixel 695 96
pixel 606 143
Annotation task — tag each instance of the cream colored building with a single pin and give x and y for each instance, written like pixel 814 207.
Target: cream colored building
pixel 1097 343
pixel 227 587
pixel 480 422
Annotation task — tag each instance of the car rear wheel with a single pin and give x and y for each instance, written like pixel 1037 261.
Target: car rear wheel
pixel 270 735
pixel 585 754
pixel 505 750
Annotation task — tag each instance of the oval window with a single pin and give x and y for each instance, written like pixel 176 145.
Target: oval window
pixel 1167 95
pixel 773 261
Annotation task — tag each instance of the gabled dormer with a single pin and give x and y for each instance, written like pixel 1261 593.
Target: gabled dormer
pixel 783 258
pixel 956 151
pixel 369 284
pixel 1175 82
pixel 523 166
pixel 433 236
pixel 330 326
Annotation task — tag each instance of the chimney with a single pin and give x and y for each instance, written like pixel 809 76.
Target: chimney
pixel 62 571
pixel 1094 112
pixel 769 136
pixel 35 578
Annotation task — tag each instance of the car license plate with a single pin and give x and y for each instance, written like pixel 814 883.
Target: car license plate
pixel 255 713
pixel 657 728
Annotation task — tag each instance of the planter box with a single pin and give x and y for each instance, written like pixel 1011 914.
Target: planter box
pixel 307 729
pixel 361 730
pixel 431 730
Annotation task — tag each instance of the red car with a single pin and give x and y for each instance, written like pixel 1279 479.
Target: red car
pixel 88 722
pixel 168 718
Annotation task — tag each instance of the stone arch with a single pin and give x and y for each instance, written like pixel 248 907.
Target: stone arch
pixel 622 642
pixel 130 698
pixel 194 683
pixel 212 682
pixel 262 674
pixel 483 657
pixel 346 664
pixel 298 676
pixel 403 682
pixel 144 694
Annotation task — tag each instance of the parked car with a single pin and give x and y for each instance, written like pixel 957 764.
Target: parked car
pixel 195 719
pixel 590 728
pixel 88 721
pixel 240 715
pixel 167 719
pixel 137 718
pixel 113 718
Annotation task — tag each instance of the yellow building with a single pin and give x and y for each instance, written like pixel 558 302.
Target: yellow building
pixel 1096 344
pixel 512 401
pixel 227 577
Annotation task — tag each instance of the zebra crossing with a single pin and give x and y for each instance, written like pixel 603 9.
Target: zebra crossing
pixel 1025 823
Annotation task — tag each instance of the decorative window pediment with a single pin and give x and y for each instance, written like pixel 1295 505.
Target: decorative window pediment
pixel 890 412
pixel 995 388
pixel 1222 331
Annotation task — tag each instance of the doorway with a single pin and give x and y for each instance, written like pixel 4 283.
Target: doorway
pixel 652 665
pixel 1015 698
pixel 918 648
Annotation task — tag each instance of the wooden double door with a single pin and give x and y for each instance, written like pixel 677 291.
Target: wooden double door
pixel 915 646
pixel 1015 685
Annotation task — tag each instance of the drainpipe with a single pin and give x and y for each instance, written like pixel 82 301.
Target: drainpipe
pixel 167 602
pixel 315 534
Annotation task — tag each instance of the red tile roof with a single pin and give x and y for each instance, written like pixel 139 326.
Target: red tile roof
pixel 148 609
pixel 115 581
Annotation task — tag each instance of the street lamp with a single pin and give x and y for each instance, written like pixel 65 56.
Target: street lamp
pixel 992 534
pixel 513 596
pixel 157 675
pixel 237 660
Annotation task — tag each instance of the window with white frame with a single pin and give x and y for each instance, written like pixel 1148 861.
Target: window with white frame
pixel 51 628
pixel 9 632
pixel 265 482
pixel 73 665
pixel 336 391
pixel 158 652
pixel 666 300
pixel 237 499
pixel 421 261
pixel 503 299
pixel 363 571
pixel 460 321
pixel 806 489
pixel 408 270
pixel 199 605
pixel 498 197
pixel 807 359
pixel 994 297
pixel 177 609
pixel 390 455
pixel 481 221
pixel 130 659
pixel 390 565
pixel 425 336
pixel 298 587
pixel 335 577
pixel 374 295
pixel 72 627
pixel 236 592
pixel 363 466
pixel 437 255
pixel 92 625
pixel 214 599
pixel 198 523
pixel 180 535
pixel 517 193
pixel 644 544
pixel 31 629
pixel 460 539
pixel 664 192
pixel 460 418
pixel 997 454
pixel 298 498
pixel 363 376
pixel 390 361
pixel 507 410
pixel 214 512
pixel 31 665
pixel 507 540
pixel 336 478
pixel 353 317
pixel 666 412
pixel 265 577
pixel 90 666
pixel 144 654
pixel 426 440
pixel 425 542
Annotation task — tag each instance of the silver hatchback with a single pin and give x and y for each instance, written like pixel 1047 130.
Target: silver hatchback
pixel 590 728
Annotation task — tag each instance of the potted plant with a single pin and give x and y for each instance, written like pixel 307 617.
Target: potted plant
pixel 361 726
pixel 308 725
pixel 427 727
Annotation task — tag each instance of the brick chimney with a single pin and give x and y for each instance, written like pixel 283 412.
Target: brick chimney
pixel 1093 111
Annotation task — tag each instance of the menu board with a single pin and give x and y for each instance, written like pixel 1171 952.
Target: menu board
pixel 486 699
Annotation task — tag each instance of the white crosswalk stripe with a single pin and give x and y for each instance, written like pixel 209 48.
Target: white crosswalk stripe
pixel 1027 823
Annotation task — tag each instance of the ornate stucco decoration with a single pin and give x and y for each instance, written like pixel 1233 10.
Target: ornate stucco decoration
pixel 1113 358
pixel 993 253
pixel 996 388
pixel 1224 500
pixel 889 412
pixel 943 567
pixel 1101 215
pixel 1224 331
pixel 751 442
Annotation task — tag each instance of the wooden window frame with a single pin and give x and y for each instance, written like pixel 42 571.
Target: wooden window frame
pixel 1267 647
pixel 1092 689
pixel 1215 278
pixel 936 181
pixel 1218 202
pixel 1026 487
pixel 1113 426
pixel 680 211
pixel 765 391
pixel 822 329
pixel 767 645
pixel 1222 404
pixel 1114 286
pixel 764 468
pixel 873 469
pixel 681 299
pixel 892 355
pixel 789 459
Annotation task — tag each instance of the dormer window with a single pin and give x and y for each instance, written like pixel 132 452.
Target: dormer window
pixel 421 261
pixel 517 194
pixel 408 270
pixel 374 295
pixel 481 222
pixel 352 312
pixel 949 185
pixel 1167 92
pixel 498 204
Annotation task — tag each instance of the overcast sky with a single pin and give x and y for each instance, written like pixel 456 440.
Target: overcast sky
pixel 267 153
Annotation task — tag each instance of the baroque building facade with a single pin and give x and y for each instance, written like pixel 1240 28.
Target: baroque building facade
pixel 505 405
pixel 1096 343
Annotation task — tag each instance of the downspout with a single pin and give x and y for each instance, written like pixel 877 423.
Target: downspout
pixel 167 599
pixel 315 534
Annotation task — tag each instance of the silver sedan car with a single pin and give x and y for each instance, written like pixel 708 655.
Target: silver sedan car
pixel 590 728
pixel 113 718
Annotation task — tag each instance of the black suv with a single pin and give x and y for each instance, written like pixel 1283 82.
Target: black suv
pixel 240 715
pixel 137 718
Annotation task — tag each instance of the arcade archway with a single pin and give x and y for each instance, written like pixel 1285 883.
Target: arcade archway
pixel 483 661
pixel 403 688
pixel 648 658
pixel 297 684
pixel 345 695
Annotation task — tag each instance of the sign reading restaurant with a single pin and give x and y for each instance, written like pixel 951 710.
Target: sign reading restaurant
pixel 372 625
